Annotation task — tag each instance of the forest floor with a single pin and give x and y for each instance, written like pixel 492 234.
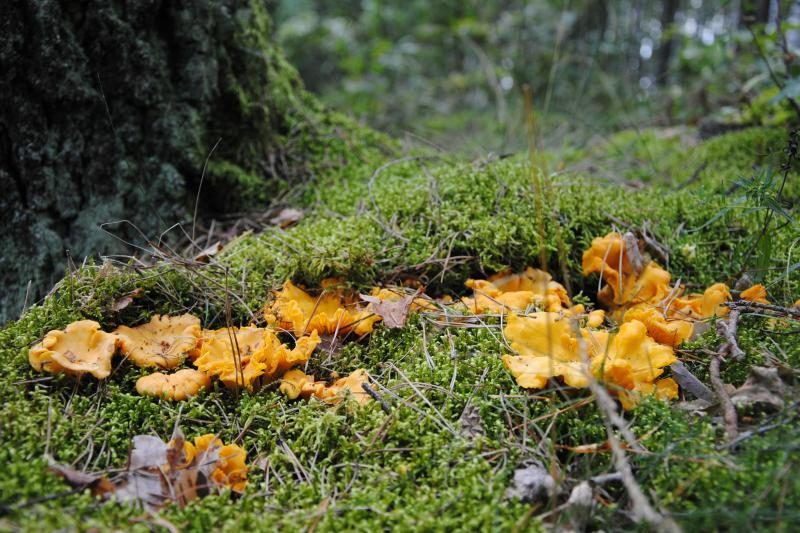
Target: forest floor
pixel 448 439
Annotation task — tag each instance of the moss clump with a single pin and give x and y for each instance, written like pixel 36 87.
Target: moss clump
pixel 414 467
pixel 675 158
pixel 712 486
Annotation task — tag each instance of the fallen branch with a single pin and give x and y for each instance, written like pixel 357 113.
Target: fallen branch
pixel 752 307
pixel 728 328
pixel 728 409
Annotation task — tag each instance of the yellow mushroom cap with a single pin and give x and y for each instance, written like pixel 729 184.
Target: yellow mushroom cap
pixel 607 256
pixel 706 305
pixel 231 467
pixel 757 293
pixel 547 348
pixel 163 342
pixel 596 318
pixel 335 310
pixel 241 356
pixel 81 348
pixel 670 331
pixel 632 357
pixel 179 386
pixel 506 291
pixel 296 384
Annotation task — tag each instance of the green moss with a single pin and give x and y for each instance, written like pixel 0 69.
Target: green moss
pixel 709 486
pixel 674 157
pixel 345 467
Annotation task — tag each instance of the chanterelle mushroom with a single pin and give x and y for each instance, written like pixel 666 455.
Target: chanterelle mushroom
pixel 241 356
pixel 179 386
pixel 82 348
pixel 163 342
pixel 335 310
pixel 516 292
pixel 295 383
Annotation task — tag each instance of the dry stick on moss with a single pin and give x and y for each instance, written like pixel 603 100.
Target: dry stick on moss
pixel 752 307
pixel 727 329
pixel 377 397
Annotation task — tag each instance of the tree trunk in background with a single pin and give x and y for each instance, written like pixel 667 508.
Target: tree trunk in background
pixel 108 111
pixel 669 9
pixel 753 12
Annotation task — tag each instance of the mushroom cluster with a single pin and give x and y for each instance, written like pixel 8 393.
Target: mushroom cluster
pixel 508 292
pixel 242 357
pixel 653 316
pixel 165 342
pixel 552 337
pixel 239 357
pixel 634 288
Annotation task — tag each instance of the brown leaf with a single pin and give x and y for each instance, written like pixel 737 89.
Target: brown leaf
pixel 286 217
pixel 206 255
pixel 393 312
pixel 156 474
pixel 471 422
pixel 124 301
pixel 98 483
pixel 763 390
pixel 331 343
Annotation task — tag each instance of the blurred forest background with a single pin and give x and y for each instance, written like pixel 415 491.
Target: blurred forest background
pixel 451 72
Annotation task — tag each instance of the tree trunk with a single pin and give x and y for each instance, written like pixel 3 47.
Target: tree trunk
pixel 669 9
pixel 108 112
pixel 753 12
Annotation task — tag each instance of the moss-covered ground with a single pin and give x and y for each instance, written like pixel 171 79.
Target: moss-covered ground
pixel 373 218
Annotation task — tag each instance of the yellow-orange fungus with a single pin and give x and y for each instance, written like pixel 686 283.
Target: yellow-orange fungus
pixel 231 467
pixel 334 310
pixel 241 357
pixel 181 385
pixel 624 285
pixel 506 292
pixel 163 342
pixel 757 293
pixel 549 345
pixel 81 348
pixel 296 384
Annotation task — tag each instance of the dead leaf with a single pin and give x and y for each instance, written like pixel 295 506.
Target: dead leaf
pixel 148 451
pixel 331 344
pixel 695 407
pixel 206 255
pixel 580 505
pixel 531 483
pixel 393 312
pixel 764 390
pixel 126 300
pixel 471 422
pixel 97 483
pixel 158 472
pixel 286 217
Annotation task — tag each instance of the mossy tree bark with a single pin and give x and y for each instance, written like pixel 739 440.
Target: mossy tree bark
pixel 108 111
